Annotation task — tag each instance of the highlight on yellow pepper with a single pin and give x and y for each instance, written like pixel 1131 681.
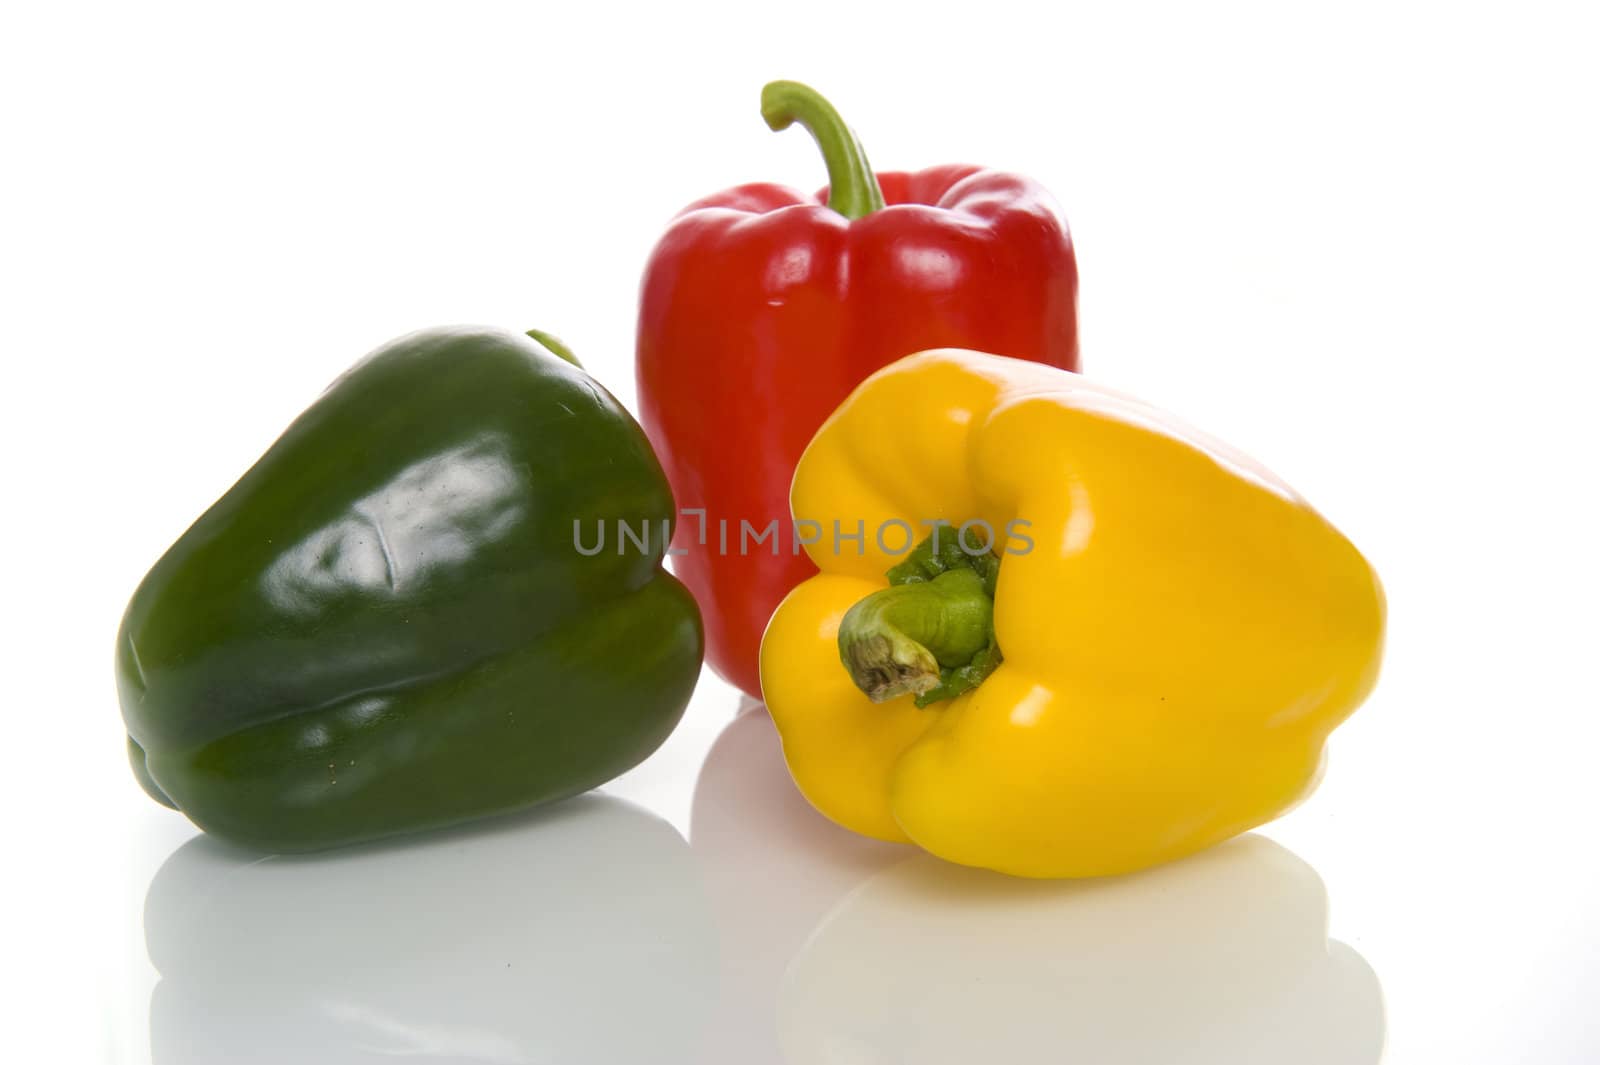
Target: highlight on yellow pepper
pixel 1119 641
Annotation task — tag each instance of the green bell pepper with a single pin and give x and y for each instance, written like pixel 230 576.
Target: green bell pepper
pixel 388 624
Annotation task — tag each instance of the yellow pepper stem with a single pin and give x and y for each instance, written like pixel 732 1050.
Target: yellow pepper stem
pixel 931 632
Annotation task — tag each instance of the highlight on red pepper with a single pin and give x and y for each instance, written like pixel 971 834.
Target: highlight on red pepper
pixel 762 307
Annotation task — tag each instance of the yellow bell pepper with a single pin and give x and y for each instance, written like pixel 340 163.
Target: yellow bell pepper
pixel 1176 631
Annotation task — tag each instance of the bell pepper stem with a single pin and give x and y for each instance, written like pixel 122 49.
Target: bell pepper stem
pixel 555 346
pixel 921 638
pixel 853 188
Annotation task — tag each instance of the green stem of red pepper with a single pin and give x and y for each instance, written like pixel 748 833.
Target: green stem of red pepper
pixel 853 188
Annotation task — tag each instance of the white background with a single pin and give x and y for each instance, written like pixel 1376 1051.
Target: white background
pixel 1357 240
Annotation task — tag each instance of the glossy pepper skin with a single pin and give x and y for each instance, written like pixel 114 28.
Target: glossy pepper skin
pixel 385 625
pixel 762 307
pixel 1180 631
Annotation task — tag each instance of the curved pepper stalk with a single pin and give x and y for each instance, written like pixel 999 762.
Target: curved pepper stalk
pixel 853 188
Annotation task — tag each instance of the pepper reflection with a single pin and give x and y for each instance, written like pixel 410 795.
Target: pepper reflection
pixel 577 934
pixel 774 867
pixel 872 953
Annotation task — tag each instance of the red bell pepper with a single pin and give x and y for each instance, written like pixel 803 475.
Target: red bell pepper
pixel 762 307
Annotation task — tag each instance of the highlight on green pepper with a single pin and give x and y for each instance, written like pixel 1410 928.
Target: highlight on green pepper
pixel 383 626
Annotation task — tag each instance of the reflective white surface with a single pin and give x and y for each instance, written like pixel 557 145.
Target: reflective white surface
pixel 592 932
pixel 523 940
pixel 837 951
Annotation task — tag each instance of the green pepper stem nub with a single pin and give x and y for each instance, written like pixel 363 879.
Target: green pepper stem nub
pixel 853 188
pixel 554 344
pixel 931 632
